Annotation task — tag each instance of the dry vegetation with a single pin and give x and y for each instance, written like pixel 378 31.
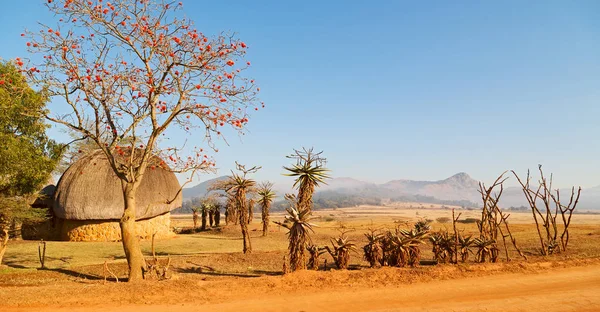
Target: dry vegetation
pixel 209 267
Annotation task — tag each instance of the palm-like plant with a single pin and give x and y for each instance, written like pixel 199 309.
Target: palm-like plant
pixel 465 243
pixel 309 171
pixel 239 185
pixel 443 246
pixel 422 226
pixel 401 247
pixel 250 209
pixel 315 253
pixel 413 238
pixel 265 198
pixel 373 250
pixel 299 229
pixel 342 246
pixel 484 249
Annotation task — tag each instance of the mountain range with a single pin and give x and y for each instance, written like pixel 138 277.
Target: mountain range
pixel 459 189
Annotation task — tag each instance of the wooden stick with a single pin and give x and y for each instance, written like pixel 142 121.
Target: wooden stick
pixel 107 269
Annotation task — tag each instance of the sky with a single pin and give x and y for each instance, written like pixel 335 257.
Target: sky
pixel 405 89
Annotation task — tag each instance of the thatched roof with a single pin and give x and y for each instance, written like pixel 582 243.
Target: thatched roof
pixel 90 190
pixel 45 197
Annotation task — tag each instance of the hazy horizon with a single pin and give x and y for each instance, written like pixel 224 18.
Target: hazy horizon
pixel 401 90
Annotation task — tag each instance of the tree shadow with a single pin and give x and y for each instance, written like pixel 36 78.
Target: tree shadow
pixel 85 276
pixel 217 237
pixel 76 274
pixel 15 266
pixel 206 270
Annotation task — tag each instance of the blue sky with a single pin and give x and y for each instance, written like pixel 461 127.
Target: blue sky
pixel 407 89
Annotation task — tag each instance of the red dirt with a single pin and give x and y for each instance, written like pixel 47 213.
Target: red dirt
pixel 550 289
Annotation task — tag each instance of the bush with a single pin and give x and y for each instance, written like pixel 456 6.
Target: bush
pixel 443 220
pixel 468 220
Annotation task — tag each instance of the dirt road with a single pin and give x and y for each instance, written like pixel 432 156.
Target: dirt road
pixel 571 289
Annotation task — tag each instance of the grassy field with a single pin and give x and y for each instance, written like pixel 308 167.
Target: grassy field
pixel 213 258
pixel 585 235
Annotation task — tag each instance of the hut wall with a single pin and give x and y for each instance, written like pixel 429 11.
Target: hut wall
pixel 48 230
pixel 94 230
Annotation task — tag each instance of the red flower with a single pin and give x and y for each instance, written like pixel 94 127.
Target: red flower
pixel 230 63
pixel 243 45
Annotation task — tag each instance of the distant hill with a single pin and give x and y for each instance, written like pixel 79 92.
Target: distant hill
pixel 459 189
pixel 199 190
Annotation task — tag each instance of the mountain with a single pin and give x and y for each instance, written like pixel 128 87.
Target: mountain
pixel 344 183
pixel 459 189
pixel 199 190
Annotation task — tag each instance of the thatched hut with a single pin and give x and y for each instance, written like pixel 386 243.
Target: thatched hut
pixel 88 201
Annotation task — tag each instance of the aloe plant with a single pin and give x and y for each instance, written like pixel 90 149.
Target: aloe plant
pixel 299 229
pixel 314 258
pixel 265 198
pixel 340 251
pixel 373 250
pixel 309 171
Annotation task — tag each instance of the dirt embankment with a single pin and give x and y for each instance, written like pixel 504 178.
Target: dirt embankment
pixel 543 286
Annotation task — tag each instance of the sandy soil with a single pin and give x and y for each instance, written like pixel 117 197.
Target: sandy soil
pixel 567 289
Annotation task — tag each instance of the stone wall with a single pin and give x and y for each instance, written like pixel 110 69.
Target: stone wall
pixel 102 231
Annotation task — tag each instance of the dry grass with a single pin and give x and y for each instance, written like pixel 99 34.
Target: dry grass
pixel 211 263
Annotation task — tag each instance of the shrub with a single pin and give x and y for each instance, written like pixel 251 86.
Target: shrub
pixel 443 220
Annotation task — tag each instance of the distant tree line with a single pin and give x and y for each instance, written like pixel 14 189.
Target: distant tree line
pixel 433 200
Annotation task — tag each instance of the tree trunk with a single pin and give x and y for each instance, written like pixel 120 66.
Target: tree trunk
pixel 211 218
pixel 131 244
pixel 3 244
pixel 265 220
pixel 203 220
pixel 195 219
pixel 217 217
pixel 250 211
pixel 243 212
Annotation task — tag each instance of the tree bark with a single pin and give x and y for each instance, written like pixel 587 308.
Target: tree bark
pixel 131 244
pixel 265 220
pixel 217 217
pixel 243 212
pixel 211 218
pixel 203 228
pixel 3 245
pixel 195 219
pixel 250 211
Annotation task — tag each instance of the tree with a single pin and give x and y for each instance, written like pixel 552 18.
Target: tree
pixel 309 171
pixel 195 217
pixel 265 198
pixel 545 217
pixel 131 73
pixel 299 227
pixel 27 155
pixel 217 213
pixel 250 209
pixel 239 185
